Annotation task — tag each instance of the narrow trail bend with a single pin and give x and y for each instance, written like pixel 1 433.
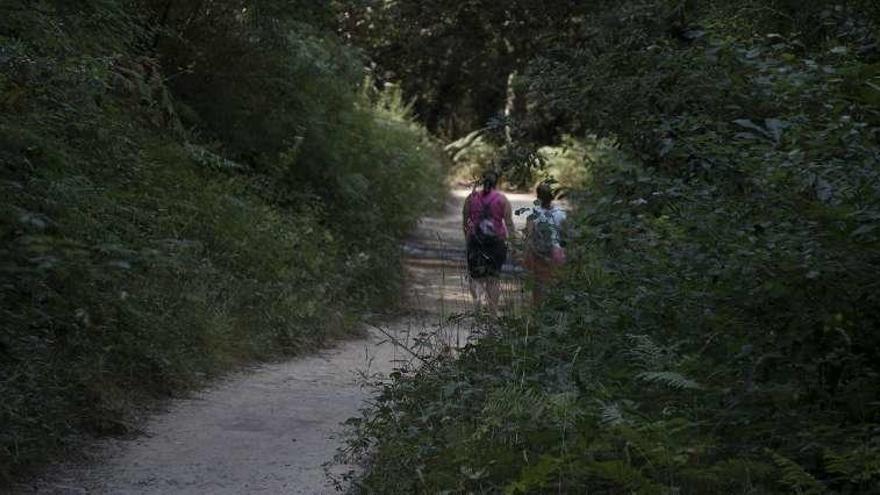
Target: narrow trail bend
pixel 273 428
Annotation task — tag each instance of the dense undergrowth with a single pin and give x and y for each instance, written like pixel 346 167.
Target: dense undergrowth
pixel 716 330
pixel 184 189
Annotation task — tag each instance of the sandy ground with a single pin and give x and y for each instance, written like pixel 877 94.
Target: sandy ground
pixel 276 428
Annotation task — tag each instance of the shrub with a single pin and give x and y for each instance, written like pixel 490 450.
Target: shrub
pixel 152 237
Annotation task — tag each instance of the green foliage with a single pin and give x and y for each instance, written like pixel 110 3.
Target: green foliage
pixel 565 163
pixel 794 476
pixel 185 189
pixel 716 328
pixel 473 157
pixel 454 60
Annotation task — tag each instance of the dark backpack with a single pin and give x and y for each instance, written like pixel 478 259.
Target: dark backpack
pixel 542 239
pixel 485 231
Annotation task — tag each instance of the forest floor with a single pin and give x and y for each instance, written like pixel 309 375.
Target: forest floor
pixel 275 428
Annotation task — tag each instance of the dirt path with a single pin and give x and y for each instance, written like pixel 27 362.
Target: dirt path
pixel 272 429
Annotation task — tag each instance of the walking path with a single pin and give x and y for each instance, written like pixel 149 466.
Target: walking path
pixel 273 429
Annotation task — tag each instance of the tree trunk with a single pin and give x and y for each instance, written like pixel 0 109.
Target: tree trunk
pixel 515 104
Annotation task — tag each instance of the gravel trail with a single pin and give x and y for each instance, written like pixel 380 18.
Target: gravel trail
pixel 273 428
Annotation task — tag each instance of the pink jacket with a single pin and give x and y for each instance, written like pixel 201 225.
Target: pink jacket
pixel 476 202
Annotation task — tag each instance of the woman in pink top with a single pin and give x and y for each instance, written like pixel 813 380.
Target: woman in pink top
pixel 487 221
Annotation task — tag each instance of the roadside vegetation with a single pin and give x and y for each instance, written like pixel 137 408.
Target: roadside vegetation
pixel 716 330
pixel 186 188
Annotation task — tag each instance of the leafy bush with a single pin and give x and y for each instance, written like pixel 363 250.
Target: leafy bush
pixel 473 159
pixel 567 163
pixel 490 149
pixel 716 330
pixel 152 236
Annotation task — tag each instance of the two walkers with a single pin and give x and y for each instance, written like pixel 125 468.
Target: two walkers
pixel 487 220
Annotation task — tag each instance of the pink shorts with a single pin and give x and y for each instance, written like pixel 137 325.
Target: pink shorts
pixel 542 268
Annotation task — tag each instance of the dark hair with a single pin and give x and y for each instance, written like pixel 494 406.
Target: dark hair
pixel 545 194
pixel 490 180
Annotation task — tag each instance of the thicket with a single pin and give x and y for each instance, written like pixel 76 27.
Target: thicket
pixel 717 327
pixel 186 187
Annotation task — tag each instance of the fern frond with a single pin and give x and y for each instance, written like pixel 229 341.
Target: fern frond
pixel 563 409
pixel 857 466
pixel 512 402
pixel 625 476
pixel 840 464
pixel 536 476
pixel 795 477
pixel 647 355
pixel 209 159
pixel 742 470
pixel 670 379
pixel 611 415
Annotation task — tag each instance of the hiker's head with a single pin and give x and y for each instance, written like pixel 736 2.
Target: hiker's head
pixel 545 194
pixel 489 180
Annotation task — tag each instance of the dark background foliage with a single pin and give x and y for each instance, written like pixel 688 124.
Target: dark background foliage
pixel 454 59
pixel 716 330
